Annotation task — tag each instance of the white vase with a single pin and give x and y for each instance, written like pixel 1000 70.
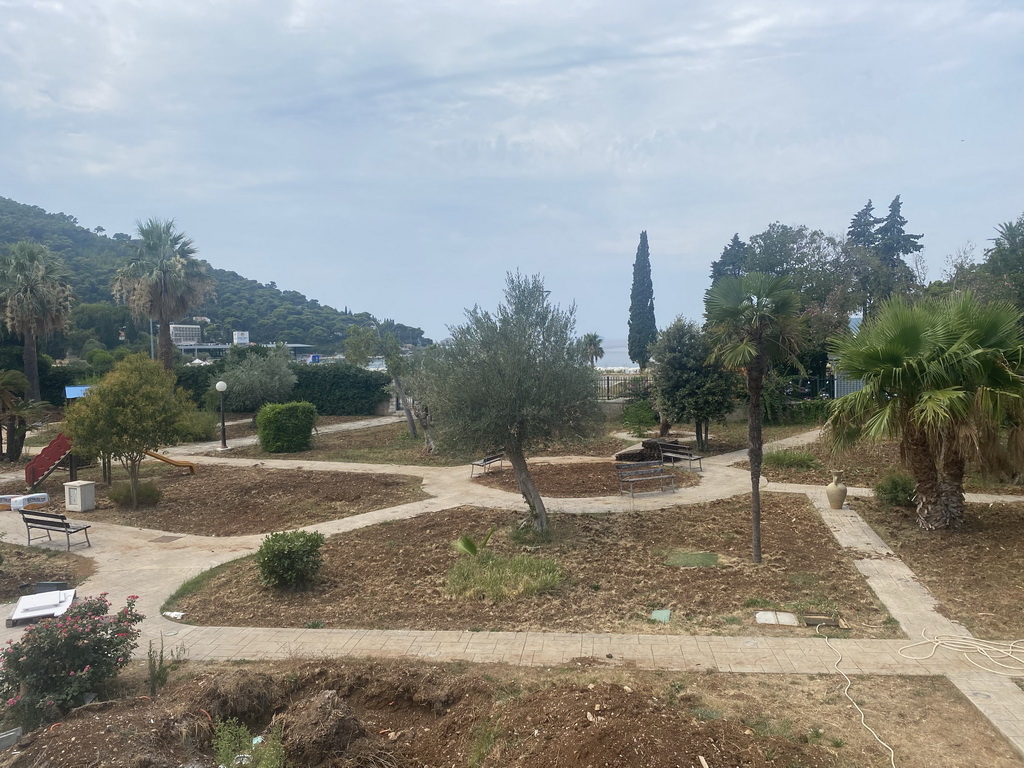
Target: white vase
pixel 836 491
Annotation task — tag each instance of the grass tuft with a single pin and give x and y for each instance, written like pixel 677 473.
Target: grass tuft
pixel 791 458
pixel 502 577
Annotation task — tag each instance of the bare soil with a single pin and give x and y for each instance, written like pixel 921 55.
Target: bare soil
pixel 234 501
pixel 21 567
pixel 400 714
pixel 394 575
pixel 578 480
pixel 976 572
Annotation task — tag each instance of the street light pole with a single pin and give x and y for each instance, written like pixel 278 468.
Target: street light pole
pixel 222 387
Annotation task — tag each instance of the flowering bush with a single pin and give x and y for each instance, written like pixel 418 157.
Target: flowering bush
pixel 48 671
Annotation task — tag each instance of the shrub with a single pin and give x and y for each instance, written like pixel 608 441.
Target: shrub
pixel 639 417
pixel 290 559
pixel 791 458
pixel 341 389
pixel 286 428
pixel 502 577
pixel 148 494
pixel 896 488
pixel 233 744
pixel 808 412
pixel 198 426
pixel 47 672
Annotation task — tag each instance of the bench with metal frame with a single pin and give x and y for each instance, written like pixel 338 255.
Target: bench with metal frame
pixel 492 458
pixel 673 452
pixel 632 472
pixel 50 522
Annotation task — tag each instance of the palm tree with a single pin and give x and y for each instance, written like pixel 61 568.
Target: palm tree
pixel 752 322
pixel 945 377
pixel 13 385
pixel 162 281
pixel 592 347
pixel 36 300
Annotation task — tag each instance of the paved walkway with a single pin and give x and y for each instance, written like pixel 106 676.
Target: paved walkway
pixel 134 560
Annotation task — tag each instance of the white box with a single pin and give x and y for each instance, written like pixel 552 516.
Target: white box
pixel 80 496
pixel 30 501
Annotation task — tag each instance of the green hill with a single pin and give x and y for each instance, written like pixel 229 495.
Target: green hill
pixel 266 312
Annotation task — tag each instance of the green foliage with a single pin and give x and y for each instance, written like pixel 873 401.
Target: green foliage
pixel 638 417
pixel 133 409
pixel 198 426
pixel 499 577
pixel 146 495
pixel 257 379
pixel 466 545
pixel 287 427
pixel 341 389
pixel 198 381
pixel 159 667
pixel 791 458
pixel 896 488
pixel 290 559
pixel 56 661
pixel 232 739
pixel 643 329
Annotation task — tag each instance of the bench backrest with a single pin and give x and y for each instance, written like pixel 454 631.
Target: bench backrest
pixel 639 468
pixel 35 517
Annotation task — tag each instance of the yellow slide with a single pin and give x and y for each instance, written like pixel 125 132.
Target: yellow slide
pixel 173 462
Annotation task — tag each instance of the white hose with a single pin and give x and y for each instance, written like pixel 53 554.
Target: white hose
pixel 998 657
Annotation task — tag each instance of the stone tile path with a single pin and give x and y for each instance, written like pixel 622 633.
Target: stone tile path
pixel 135 560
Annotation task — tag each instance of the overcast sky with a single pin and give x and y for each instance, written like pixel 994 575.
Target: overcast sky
pixel 400 157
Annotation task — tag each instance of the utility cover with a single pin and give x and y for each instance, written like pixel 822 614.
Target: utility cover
pixel 662 616
pixel 784 618
pixel 680 558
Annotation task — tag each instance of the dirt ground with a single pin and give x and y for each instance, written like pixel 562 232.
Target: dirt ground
pixel 577 480
pixel 400 714
pixel 21 567
pixel 394 576
pixel 233 501
pixel 976 572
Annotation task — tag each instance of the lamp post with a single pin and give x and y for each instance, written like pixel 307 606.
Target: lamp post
pixel 222 387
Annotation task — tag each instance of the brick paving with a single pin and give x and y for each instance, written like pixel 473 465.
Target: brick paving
pixel 130 561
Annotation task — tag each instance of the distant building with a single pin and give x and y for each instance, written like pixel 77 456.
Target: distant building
pixel 186 335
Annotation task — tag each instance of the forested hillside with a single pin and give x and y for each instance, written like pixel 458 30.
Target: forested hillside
pixel 266 312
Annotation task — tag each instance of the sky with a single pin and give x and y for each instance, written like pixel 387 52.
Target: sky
pixel 400 158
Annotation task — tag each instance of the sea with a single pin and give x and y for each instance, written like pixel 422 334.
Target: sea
pixel 616 356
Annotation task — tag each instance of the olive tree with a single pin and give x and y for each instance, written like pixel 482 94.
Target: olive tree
pixel 512 379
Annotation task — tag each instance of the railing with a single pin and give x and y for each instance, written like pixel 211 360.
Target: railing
pixel 622 385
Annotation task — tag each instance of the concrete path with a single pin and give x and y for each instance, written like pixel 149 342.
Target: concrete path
pixel 155 563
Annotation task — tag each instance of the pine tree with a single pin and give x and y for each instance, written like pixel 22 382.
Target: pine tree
pixel 862 227
pixel 893 241
pixel 733 261
pixel 643 330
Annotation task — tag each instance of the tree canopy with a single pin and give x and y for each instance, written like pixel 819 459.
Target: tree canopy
pixel 511 380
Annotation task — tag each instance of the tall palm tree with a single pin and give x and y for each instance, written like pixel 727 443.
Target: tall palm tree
pixel 13 385
pixel 946 378
pixel 36 300
pixel 752 322
pixel 161 281
pixel 592 347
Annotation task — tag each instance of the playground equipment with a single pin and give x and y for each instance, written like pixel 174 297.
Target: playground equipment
pixel 48 459
pixel 191 467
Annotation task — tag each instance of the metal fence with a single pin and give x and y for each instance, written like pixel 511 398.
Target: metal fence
pixel 614 386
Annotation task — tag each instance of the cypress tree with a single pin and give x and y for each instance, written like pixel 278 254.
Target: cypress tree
pixel 643 330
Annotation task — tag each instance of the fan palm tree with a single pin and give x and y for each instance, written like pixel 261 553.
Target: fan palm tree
pixel 752 323
pixel 13 385
pixel 946 378
pixel 161 281
pixel 36 300
pixel 592 347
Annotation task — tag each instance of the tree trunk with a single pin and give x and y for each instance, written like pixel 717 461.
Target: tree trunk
pixel 755 383
pixel 133 481
pixel 30 356
pixel 405 407
pixel 701 428
pixel 949 512
pixel 918 454
pixel 165 349
pixel 528 489
pixel 664 427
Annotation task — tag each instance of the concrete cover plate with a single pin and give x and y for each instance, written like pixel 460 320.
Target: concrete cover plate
pixel 662 616
pixel 777 617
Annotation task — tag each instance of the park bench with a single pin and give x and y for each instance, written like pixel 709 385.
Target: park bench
pixel 492 458
pixel 673 452
pixel 632 472
pixel 50 522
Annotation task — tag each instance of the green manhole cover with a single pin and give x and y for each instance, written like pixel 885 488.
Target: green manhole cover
pixel 682 559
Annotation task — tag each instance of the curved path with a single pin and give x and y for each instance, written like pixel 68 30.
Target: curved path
pixel 154 563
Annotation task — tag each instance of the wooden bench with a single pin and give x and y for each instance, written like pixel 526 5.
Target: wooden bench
pixel 491 458
pixel 632 472
pixel 673 452
pixel 49 522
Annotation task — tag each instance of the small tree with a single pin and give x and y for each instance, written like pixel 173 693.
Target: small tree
pixel 643 329
pixel 364 343
pixel 687 387
pixel 257 379
pixel 511 380
pixel 135 408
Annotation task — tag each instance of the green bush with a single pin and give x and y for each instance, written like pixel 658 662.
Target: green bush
pixel 341 389
pixel 896 488
pixel 808 412
pixel 502 577
pixel 232 740
pixel 290 559
pixel 791 458
pixel 286 427
pixel 198 426
pixel 47 672
pixel 121 494
pixel 639 417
